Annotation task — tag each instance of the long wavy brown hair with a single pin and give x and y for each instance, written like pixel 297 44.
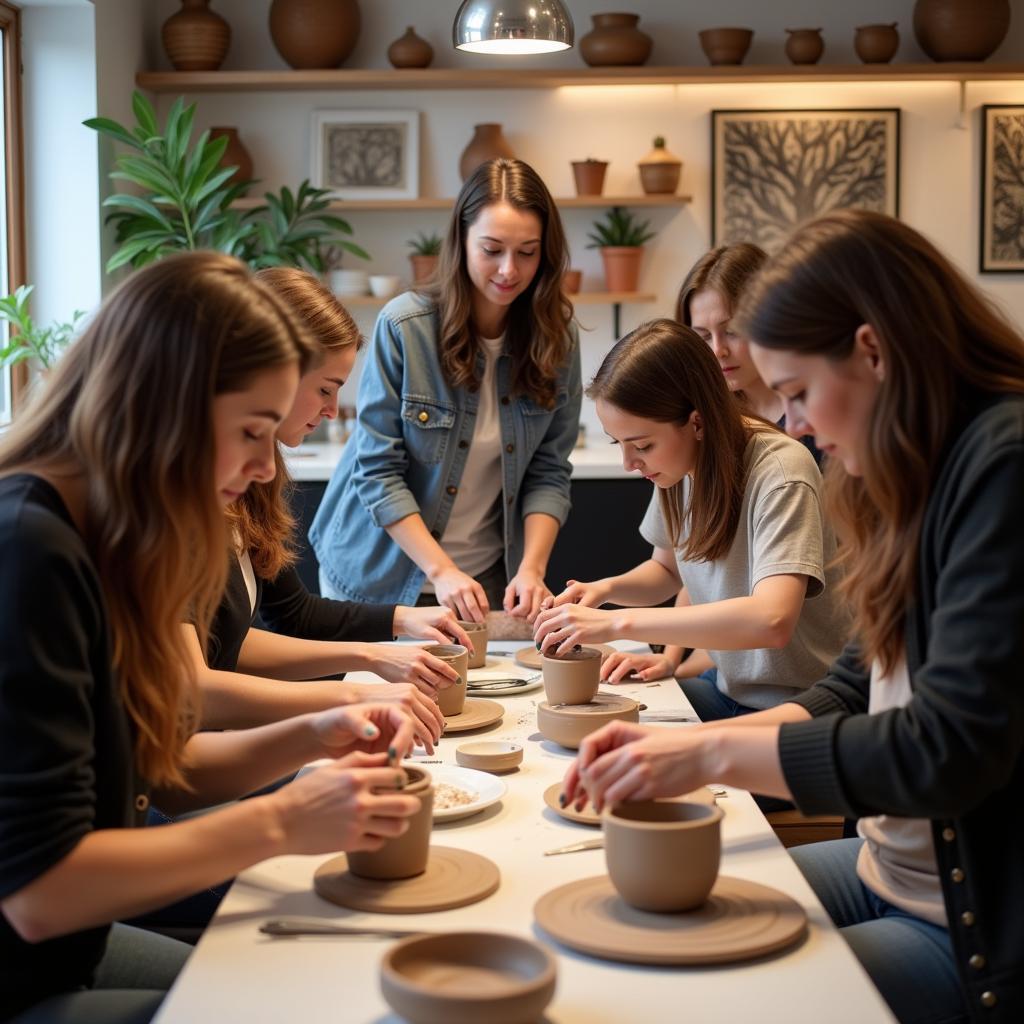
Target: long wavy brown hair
pixel 536 335
pixel 130 409
pixel 663 371
pixel 262 518
pixel 944 346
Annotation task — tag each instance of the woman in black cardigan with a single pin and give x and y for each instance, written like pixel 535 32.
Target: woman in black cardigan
pixel 913 384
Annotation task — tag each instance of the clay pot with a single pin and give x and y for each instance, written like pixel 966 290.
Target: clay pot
pixel 662 856
pixel 236 155
pixel 315 33
pixel 622 267
pixel 478 634
pixel 725 45
pixel 567 726
pixel 615 40
pixel 490 755
pixel 876 44
pixel 660 170
pixel 451 699
pixel 573 677
pixel 406 855
pixel 487 144
pixel 196 38
pixel 571 281
pixel 423 267
pixel 804 45
pixel 961 29
pixel 410 51
pixel 589 176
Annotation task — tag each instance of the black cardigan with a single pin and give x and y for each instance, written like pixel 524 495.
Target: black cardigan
pixel 286 606
pixel 953 754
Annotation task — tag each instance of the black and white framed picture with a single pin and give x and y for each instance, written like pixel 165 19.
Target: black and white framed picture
pixel 1002 188
pixel 367 154
pixel 774 169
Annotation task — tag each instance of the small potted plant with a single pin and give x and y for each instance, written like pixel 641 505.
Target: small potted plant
pixel 621 238
pixel 589 175
pixel 425 252
pixel 29 340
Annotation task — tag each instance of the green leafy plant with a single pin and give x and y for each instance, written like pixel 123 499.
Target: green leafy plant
pixel 45 344
pixel 425 245
pixel 619 228
pixel 186 200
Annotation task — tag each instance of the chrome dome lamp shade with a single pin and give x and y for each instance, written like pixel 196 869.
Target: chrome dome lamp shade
pixel 512 26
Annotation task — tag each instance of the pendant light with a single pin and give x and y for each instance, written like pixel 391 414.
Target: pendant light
pixel 512 26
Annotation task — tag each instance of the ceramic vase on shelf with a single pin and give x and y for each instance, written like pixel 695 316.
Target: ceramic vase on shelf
pixel 804 45
pixel 236 155
pixel 877 44
pixel 964 30
pixel 660 170
pixel 615 40
pixel 487 144
pixel 196 38
pixel 315 33
pixel 410 51
pixel 589 176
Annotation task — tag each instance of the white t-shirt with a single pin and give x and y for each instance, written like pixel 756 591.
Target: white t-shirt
pixel 781 531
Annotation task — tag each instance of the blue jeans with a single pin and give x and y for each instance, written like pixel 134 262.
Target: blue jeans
pixel 909 960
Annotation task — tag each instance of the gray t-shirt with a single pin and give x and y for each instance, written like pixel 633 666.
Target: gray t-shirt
pixel 781 531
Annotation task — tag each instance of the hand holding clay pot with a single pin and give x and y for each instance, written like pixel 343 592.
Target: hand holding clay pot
pixel 573 677
pixel 477 635
pixel 559 629
pixel 438 624
pixel 452 699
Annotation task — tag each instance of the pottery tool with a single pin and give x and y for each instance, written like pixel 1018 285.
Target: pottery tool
pixel 313 926
pixel 586 844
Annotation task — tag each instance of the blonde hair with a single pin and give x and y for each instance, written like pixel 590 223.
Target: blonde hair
pixel 130 407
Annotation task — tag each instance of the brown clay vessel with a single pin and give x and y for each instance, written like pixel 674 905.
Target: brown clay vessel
pixel 410 51
pixel 804 45
pixel 966 30
pixel 615 40
pixel 568 725
pixel 622 267
pixel 660 170
pixel 423 267
pixel 487 143
pixel 573 677
pixel 452 698
pixel 725 45
pixel 196 38
pixel 478 634
pixel 489 755
pixel 571 281
pixel 876 44
pixel 589 176
pixel 315 33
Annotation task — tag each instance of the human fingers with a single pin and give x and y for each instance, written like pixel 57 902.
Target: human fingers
pixel 567 596
pixel 537 598
pixel 570 784
pixel 620 667
pixel 439 672
pixel 605 771
pixel 508 601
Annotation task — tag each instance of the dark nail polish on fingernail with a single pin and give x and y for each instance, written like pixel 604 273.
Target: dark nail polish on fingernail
pixel 538 647
pixel 578 647
pixel 562 800
pixel 392 753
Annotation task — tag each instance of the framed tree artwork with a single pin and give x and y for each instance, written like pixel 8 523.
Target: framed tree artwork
pixel 774 169
pixel 1002 189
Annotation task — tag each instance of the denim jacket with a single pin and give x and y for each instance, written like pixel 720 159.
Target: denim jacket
pixel 409 451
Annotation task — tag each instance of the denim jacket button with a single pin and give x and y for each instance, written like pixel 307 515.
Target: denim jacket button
pixel 463 444
pixel 142 802
pixel 510 448
pixel 957 874
pixel 505 399
pixel 452 490
pixel 424 416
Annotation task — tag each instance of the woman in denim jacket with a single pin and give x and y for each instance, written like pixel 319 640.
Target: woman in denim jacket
pixel 456 482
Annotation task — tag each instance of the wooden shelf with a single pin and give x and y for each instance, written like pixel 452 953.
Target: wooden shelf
pixel 542 78
pixel 568 202
pixel 579 299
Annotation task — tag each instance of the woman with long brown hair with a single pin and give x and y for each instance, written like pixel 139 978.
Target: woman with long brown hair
pixel 735 517
pixel 456 483
pixel 113 486
pixel 913 383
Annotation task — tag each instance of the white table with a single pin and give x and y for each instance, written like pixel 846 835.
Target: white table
pixel 237 974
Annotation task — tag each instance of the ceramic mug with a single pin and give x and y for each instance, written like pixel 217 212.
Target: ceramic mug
pixel 662 855
pixel 478 634
pixel 572 678
pixel 405 855
pixel 452 698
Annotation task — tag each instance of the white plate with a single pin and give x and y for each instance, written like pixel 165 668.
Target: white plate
pixel 485 787
pixel 480 675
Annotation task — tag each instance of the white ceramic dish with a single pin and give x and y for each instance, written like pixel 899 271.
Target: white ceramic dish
pixel 481 675
pixel 486 788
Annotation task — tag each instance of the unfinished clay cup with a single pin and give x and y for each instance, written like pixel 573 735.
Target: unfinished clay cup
pixel 406 855
pixel 452 698
pixel 478 634
pixel 662 856
pixel 573 677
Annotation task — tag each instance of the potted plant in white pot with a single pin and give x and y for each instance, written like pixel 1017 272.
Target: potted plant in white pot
pixel 621 239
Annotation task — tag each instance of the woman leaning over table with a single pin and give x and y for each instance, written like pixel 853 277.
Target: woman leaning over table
pixel 457 479
pixel 913 384
pixel 112 531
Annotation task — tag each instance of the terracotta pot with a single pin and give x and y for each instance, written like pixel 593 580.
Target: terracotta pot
pixel 725 45
pixel 961 29
pixel 196 38
pixel 487 144
pixel 589 176
pixel 410 51
pixel 877 44
pixel 804 45
pixel 423 267
pixel 571 281
pixel 478 634
pixel 236 155
pixel 660 170
pixel 622 267
pixel 452 699
pixel 406 855
pixel 573 677
pixel 615 40
pixel 315 33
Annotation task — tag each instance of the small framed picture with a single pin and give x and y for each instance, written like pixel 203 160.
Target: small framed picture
pixel 367 154
pixel 774 169
pixel 1002 189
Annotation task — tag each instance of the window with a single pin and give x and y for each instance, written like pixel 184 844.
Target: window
pixel 12 220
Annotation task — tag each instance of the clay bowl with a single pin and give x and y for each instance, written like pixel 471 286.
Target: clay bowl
pixel 568 725
pixel 725 45
pixel 467 977
pixel 490 755
pixel 478 634
pixel 573 677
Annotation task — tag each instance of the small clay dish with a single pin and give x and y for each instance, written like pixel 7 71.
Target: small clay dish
pixel 490 755
pixel 568 725
pixel 467 977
